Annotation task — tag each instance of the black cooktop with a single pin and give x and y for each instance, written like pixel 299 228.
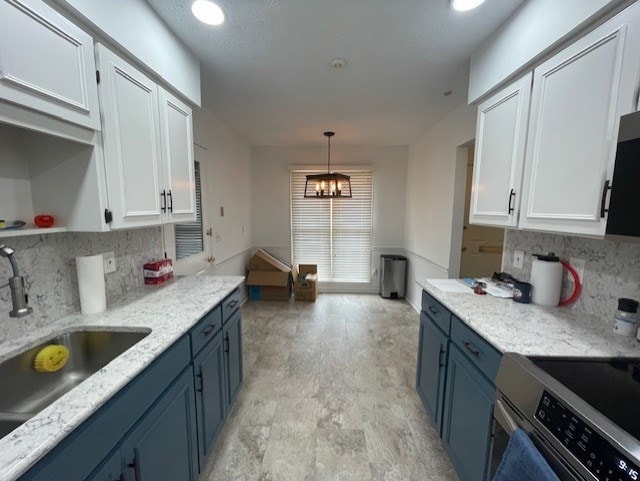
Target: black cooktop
pixel 609 385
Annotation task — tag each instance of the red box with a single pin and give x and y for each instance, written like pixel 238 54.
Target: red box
pixel 158 272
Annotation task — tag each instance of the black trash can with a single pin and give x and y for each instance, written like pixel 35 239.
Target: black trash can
pixel 393 276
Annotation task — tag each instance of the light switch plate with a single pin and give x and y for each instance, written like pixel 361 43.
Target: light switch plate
pixel 109 260
pixel 518 259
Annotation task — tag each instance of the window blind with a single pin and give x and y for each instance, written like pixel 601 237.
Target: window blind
pixel 335 234
pixel 189 235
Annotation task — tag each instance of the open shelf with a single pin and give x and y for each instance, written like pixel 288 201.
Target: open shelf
pixel 44 174
pixel 30 230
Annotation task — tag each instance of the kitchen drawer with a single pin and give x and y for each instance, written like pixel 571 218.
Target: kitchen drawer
pixel 206 328
pixel 480 352
pixel 436 311
pixel 230 305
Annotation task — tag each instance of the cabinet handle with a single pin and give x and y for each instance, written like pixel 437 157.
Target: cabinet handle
pixel 440 361
pixel 199 376
pixel 233 303
pixel 163 194
pixel 134 465
pixel 512 196
pixel 209 329
pixel 603 202
pixel 433 310
pixel 473 351
pixel 170 195
pixel 226 343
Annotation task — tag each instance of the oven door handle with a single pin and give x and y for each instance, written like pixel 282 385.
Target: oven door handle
pixel 503 418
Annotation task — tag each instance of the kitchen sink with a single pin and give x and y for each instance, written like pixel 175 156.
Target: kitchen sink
pixel 25 391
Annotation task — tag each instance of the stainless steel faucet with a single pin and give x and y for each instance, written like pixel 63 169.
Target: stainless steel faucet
pixel 17 286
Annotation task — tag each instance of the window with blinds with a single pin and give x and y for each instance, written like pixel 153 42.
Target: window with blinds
pixel 335 234
pixel 189 235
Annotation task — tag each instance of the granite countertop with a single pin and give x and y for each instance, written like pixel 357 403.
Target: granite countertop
pixel 529 329
pixel 169 311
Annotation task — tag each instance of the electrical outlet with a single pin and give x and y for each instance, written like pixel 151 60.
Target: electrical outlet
pixel 518 259
pixel 578 265
pixel 109 260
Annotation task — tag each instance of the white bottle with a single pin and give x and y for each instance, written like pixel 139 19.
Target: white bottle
pixel 626 317
pixel 546 279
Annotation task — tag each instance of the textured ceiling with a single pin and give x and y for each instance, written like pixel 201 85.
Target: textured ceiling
pixel 266 74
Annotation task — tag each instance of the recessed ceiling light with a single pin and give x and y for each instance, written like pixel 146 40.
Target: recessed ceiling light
pixel 207 12
pixel 464 5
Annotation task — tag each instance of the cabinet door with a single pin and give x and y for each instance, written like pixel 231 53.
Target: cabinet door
pixel 432 361
pixel 578 96
pixel 176 132
pixel 131 140
pixel 232 332
pixel 211 405
pixel 467 419
pixel 47 63
pixel 162 447
pixel 109 470
pixel 499 155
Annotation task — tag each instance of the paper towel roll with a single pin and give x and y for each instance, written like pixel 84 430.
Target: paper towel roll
pixel 93 297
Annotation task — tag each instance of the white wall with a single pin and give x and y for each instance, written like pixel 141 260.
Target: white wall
pixel 137 29
pixel 229 159
pixel 435 177
pixel 271 214
pixel 537 26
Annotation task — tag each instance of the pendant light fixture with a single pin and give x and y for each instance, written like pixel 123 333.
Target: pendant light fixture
pixel 331 185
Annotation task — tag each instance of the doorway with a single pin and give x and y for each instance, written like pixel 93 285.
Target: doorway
pixel 189 243
pixel 481 252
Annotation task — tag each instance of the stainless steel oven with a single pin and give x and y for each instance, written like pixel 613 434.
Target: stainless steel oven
pixel 567 406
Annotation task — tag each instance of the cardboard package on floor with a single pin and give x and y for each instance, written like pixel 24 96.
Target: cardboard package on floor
pixel 305 285
pixel 269 279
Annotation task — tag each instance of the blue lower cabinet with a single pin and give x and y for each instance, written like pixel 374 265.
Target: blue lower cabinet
pixel 232 336
pixel 433 350
pixel 163 446
pixel 160 426
pixel 109 470
pixel 211 405
pixel 468 413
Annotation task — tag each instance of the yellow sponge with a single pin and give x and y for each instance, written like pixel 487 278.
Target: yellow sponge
pixel 51 358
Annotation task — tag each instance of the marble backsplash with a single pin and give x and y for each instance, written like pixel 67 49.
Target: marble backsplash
pixel 612 268
pixel 48 263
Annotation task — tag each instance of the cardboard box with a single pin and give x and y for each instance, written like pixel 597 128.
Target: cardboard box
pixel 269 279
pixel 305 285
pixel 263 261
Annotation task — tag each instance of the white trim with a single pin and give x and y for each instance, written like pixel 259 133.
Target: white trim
pixel 334 167
pixel 435 264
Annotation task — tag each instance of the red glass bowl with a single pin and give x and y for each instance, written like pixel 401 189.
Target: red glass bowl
pixel 44 220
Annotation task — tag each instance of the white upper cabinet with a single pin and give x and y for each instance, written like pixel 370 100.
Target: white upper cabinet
pixel 47 63
pixel 499 155
pixel 131 141
pixel 577 98
pixel 148 147
pixel 176 125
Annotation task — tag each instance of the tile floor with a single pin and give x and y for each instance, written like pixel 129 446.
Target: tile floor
pixel 329 395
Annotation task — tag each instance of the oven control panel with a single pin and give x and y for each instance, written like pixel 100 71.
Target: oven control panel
pixel 590 448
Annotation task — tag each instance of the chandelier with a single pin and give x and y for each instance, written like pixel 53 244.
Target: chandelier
pixel 331 185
